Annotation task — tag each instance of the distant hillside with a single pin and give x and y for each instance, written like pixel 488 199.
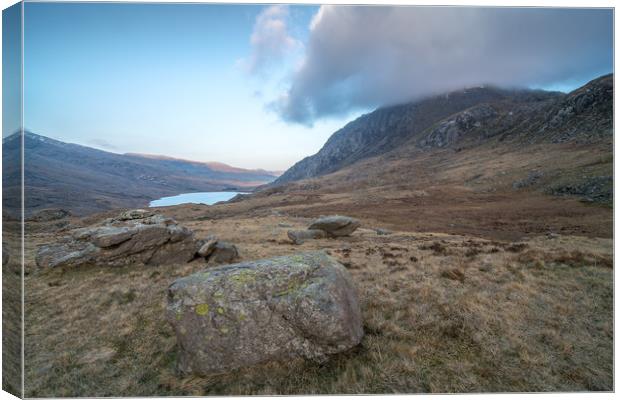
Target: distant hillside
pixel 213 165
pixel 84 180
pixel 466 118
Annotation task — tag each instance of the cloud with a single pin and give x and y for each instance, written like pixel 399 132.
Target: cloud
pixel 361 57
pixel 270 40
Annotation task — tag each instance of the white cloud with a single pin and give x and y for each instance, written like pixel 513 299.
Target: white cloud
pixel 360 57
pixel 270 40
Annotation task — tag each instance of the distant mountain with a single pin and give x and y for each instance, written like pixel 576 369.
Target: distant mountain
pixel 213 165
pixel 84 180
pixel 480 116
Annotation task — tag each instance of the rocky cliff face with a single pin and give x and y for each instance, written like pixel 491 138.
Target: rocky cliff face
pixel 467 118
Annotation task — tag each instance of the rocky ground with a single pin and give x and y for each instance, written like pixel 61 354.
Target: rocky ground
pixel 530 309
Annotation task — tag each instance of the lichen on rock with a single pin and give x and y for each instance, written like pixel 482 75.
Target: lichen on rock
pixel 271 309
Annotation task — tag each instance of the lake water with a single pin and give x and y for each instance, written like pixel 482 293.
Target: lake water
pixel 197 198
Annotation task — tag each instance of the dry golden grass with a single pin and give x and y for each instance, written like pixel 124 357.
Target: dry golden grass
pixel 12 310
pixel 441 313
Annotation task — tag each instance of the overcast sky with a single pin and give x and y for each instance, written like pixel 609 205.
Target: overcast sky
pixel 264 86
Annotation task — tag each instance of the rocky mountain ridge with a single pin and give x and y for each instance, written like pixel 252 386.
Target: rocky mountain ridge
pixel 476 116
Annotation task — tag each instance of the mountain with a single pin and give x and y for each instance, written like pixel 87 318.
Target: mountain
pixel 483 161
pixel 212 165
pixel 470 117
pixel 84 180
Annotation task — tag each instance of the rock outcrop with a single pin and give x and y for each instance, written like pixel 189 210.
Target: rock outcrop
pixel 335 225
pixel 257 311
pixel 452 129
pixel 135 237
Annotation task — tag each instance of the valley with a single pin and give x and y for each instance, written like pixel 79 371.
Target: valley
pixel 484 260
pixel 84 180
pixel 441 312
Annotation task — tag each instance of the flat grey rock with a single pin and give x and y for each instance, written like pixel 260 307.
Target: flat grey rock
pixel 336 225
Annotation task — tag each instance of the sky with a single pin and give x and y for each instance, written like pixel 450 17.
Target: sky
pixel 259 86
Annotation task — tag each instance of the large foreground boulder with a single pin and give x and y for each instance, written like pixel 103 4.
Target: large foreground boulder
pixel 273 309
pixel 150 240
pixel 336 225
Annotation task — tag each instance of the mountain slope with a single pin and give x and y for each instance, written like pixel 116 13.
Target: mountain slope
pixel 514 166
pixel 466 117
pixel 84 179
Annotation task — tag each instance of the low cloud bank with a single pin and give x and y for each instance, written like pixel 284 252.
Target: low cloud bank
pixel 360 57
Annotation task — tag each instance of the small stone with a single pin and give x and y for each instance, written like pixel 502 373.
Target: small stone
pixel 207 248
pixel 298 237
pixel 224 252
pixel 134 214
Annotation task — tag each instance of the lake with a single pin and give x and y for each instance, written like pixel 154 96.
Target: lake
pixel 197 198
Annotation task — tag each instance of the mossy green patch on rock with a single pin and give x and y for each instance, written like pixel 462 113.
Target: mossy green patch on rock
pixel 202 309
pixel 293 287
pixel 243 277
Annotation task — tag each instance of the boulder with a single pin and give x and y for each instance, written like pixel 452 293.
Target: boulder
pixel 382 232
pixel 298 237
pixel 224 252
pixel 257 311
pixel 152 240
pixel 207 248
pixel 336 225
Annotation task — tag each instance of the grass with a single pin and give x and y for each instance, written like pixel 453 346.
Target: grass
pixel 441 314
pixel 11 310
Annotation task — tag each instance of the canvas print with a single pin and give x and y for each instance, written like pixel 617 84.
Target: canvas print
pixel 286 199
